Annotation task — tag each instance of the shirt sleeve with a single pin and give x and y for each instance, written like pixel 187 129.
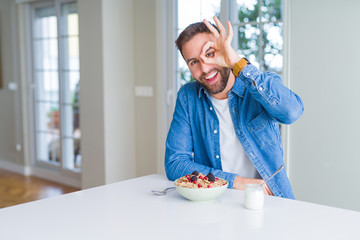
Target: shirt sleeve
pixel 179 158
pixel 267 88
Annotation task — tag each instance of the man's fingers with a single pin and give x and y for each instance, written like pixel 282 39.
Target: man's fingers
pixel 207 60
pixel 267 190
pixel 231 33
pixel 211 28
pixel 206 47
pixel 220 26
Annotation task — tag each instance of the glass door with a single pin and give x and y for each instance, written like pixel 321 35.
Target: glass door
pixel 56 81
pixel 70 79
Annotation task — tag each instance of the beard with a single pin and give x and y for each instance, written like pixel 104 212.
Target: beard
pixel 219 86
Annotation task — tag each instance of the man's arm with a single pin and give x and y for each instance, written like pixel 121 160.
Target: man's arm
pixel 267 88
pixel 179 159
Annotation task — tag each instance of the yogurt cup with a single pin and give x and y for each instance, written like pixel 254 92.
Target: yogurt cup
pixel 254 196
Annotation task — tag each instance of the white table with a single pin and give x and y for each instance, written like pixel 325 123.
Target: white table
pixel 128 210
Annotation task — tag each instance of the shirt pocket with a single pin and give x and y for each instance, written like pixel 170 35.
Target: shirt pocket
pixel 261 130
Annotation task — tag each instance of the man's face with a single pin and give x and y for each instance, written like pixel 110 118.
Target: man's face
pixel 212 77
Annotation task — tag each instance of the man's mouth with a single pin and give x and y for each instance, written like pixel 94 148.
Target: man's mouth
pixel 211 78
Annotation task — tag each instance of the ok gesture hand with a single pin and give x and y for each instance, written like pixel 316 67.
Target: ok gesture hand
pixel 220 51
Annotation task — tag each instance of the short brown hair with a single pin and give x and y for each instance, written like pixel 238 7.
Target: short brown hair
pixel 190 32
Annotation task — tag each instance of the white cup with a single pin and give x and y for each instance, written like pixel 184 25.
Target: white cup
pixel 254 196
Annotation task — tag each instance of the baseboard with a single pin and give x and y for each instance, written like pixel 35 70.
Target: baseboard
pixel 16 168
pixel 55 177
pixel 40 173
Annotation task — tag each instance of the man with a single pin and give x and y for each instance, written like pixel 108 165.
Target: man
pixel 226 122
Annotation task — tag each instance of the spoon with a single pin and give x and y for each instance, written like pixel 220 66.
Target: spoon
pixel 163 192
pixel 277 171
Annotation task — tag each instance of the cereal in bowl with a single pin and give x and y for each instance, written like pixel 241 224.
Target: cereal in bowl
pixel 198 180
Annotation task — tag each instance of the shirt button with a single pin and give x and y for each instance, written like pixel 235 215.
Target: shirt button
pixel 215 131
pixel 260 88
pixel 217 156
pixel 247 74
pixel 210 108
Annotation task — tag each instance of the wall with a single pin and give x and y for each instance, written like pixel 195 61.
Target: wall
pixel 107 83
pixel 8 119
pixel 91 93
pixel 121 140
pixel 145 70
pixel 119 106
pixel 324 158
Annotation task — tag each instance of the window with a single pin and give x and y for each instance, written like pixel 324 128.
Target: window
pixel 257 26
pixel 56 84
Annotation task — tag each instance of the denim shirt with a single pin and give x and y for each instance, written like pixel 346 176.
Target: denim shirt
pixel 257 102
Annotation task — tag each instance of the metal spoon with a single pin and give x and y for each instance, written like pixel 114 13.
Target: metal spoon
pixel 163 192
pixel 277 171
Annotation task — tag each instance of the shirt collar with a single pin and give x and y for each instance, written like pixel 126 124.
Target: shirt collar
pixel 239 87
pixel 202 91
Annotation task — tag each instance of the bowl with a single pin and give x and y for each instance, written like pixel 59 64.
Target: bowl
pixel 201 194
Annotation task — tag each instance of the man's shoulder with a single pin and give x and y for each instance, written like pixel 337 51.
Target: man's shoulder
pixel 190 89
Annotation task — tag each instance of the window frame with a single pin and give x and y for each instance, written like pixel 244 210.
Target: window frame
pixel 32 104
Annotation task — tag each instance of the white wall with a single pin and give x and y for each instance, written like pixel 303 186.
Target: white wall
pixel 119 101
pixel 8 151
pixel 92 93
pixel 324 142
pixel 118 51
pixel 145 71
pixel 107 100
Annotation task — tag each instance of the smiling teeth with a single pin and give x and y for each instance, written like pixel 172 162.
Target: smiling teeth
pixel 212 75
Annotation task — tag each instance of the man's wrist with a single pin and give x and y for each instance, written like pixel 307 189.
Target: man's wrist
pixel 234 61
pixel 238 67
pixel 239 183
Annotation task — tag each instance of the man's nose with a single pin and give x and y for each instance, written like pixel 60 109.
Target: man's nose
pixel 204 67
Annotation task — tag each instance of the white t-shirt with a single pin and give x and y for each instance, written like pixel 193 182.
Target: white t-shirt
pixel 233 155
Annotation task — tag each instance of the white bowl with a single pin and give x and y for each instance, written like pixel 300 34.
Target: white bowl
pixel 201 194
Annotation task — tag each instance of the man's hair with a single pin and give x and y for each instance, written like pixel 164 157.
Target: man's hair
pixel 190 32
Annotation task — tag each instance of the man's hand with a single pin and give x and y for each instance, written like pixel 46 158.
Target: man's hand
pixel 240 182
pixel 220 51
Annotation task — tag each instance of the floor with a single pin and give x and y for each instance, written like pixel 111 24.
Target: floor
pixel 16 189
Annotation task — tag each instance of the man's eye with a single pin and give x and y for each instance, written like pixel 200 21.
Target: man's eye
pixel 210 54
pixel 193 62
